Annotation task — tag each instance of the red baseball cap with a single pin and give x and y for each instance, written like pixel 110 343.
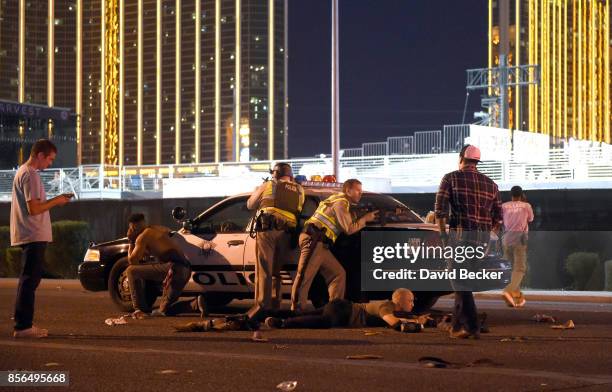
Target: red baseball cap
pixel 472 152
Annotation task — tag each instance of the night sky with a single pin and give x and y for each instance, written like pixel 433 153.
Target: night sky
pixel 402 68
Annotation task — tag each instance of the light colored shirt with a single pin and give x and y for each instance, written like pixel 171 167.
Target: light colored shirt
pixel 516 216
pixel 26 228
pixel 345 220
pixel 370 314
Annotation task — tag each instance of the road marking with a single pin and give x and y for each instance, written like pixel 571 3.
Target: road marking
pixel 385 365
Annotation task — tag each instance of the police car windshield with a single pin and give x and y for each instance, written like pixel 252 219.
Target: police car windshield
pixel 391 210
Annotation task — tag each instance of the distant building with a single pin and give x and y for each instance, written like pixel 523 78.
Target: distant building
pixel 160 81
pixel 21 125
pixel 571 42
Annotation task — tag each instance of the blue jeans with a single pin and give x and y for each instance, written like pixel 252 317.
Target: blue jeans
pixel 33 259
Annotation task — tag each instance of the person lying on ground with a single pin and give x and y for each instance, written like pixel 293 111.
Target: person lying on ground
pixel 337 313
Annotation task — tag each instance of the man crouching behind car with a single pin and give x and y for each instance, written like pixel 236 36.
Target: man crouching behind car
pixel 173 268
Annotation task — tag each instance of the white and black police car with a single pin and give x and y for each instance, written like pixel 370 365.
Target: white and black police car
pixel 220 246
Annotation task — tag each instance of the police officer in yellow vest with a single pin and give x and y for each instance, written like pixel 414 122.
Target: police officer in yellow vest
pixel 331 218
pixel 279 202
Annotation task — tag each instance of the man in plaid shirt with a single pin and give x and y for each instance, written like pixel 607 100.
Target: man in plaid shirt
pixel 475 209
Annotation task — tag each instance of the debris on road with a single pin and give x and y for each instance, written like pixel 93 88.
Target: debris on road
pixel 569 324
pixel 513 339
pixel 483 362
pixel 52 364
pixel 364 356
pixel 287 386
pixel 116 321
pixel 280 346
pixel 544 318
pixel 167 371
pixel 434 362
pixel 371 333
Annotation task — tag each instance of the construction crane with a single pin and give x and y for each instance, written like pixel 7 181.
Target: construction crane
pixel 497 80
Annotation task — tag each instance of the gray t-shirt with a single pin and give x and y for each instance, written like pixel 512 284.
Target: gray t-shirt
pixel 26 228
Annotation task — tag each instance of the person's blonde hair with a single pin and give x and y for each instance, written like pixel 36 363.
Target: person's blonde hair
pixel 398 294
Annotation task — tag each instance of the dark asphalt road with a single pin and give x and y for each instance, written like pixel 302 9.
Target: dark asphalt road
pixel 132 356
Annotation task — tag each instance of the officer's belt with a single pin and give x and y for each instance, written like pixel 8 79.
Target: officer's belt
pixel 317 233
pixel 273 222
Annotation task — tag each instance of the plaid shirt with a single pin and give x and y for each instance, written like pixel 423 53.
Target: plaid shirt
pixel 474 200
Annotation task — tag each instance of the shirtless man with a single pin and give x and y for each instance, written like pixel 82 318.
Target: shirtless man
pixel 173 269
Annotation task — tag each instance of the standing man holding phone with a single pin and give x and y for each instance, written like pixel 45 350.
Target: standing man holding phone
pixel 31 230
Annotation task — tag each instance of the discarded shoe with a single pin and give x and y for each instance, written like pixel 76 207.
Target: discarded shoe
pixel 31 333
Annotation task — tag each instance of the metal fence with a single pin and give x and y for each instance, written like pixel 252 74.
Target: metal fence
pixel 375 149
pixel 453 137
pixel 562 166
pixel 428 142
pixel 401 145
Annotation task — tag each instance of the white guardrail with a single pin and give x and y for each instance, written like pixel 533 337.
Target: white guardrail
pixel 553 169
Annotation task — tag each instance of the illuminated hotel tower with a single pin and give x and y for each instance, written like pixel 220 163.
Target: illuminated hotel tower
pixel 29 71
pixel 154 81
pixel 570 41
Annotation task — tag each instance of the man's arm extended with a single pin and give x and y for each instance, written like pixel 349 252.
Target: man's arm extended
pixel 393 321
pixel 345 220
pixel 253 201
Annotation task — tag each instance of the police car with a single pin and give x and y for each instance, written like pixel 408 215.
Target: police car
pixel 220 245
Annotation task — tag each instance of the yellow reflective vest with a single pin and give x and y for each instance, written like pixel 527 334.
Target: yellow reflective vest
pixel 284 199
pixel 325 216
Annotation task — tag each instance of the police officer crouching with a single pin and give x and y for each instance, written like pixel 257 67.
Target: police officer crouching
pixel 331 218
pixel 279 202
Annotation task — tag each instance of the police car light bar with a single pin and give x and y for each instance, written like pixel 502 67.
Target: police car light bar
pixel 321 184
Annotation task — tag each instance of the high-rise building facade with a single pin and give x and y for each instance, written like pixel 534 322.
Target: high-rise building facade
pixel 37 78
pixel 570 41
pixel 154 81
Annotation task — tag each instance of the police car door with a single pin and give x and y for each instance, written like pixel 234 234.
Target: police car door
pixel 215 247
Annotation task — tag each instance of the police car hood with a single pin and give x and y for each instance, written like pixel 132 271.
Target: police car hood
pixel 403 226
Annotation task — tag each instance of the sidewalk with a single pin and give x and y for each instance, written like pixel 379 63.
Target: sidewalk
pixel 531 295
pixel 555 296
